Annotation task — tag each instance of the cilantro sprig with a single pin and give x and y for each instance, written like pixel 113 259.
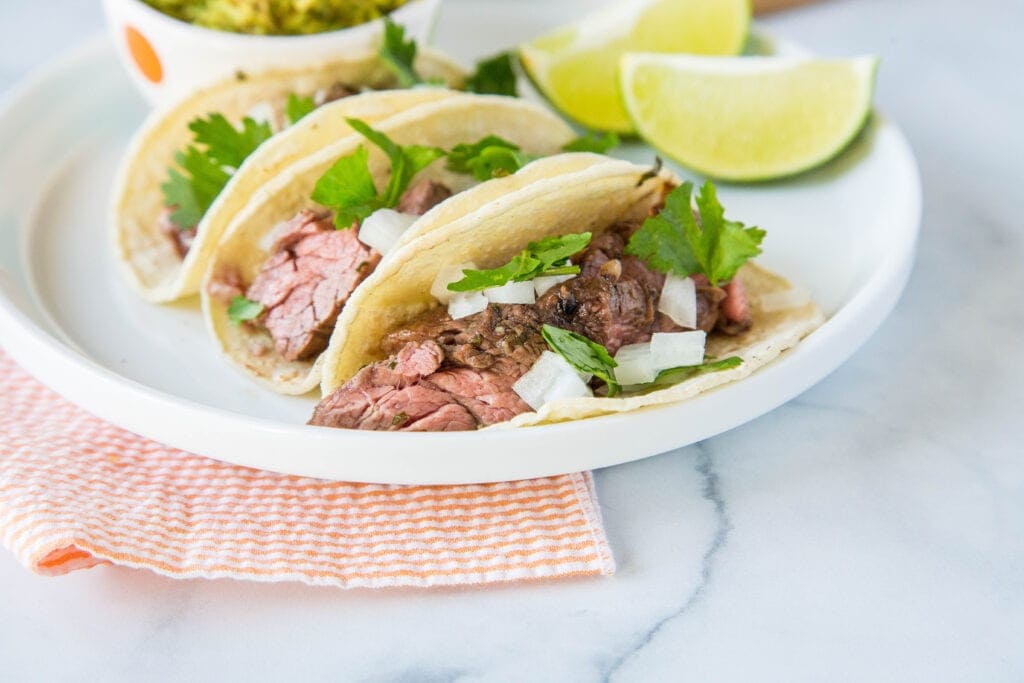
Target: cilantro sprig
pixel 583 354
pixel 593 141
pixel 487 158
pixel 494 157
pixel 206 165
pixel 398 54
pixel 242 309
pixel 297 107
pixel 674 241
pixel 348 186
pixel 547 256
pixel 494 76
pixel 673 376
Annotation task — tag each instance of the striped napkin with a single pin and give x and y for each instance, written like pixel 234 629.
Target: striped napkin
pixel 76 492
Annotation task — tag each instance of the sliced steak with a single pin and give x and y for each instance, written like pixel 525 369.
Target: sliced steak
pixel 610 312
pixel 386 408
pixel 501 337
pixel 614 299
pixel 462 380
pixel 422 197
pixel 735 316
pixel 337 91
pixel 387 396
pixel 226 284
pixel 486 394
pixel 181 239
pixel 309 276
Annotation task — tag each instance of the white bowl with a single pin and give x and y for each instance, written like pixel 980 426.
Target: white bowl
pixel 167 57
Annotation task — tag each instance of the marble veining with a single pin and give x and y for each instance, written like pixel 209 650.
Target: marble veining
pixel 871 529
pixel 711 492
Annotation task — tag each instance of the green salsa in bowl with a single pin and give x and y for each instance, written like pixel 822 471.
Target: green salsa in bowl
pixel 173 47
pixel 276 17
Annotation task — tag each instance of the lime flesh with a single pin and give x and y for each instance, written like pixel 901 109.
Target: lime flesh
pixel 576 66
pixel 753 118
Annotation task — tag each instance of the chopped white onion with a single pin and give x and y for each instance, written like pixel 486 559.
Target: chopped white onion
pixel 545 282
pixel 677 349
pixel 634 365
pixel 466 303
pixel 550 378
pixel 449 274
pixel 786 299
pixel 511 293
pixel 383 228
pixel 679 300
pixel 263 112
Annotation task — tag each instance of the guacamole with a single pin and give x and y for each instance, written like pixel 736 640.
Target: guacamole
pixel 276 17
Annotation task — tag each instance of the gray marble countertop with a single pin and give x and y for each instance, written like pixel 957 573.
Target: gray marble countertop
pixel 872 529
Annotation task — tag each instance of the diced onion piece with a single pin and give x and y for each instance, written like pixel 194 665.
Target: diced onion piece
pixel 382 229
pixel 511 293
pixel 449 274
pixel 463 304
pixel 263 112
pixel 784 300
pixel 634 365
pixel 677 349
pixel 550 378
pixel 545 282
pixel 679 300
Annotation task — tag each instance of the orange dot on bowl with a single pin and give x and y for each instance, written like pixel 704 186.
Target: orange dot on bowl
pixel 143 54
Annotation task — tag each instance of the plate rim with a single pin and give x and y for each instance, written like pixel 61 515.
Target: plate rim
pixel 96 388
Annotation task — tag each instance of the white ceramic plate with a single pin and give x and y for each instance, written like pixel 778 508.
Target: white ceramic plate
pixel 846 231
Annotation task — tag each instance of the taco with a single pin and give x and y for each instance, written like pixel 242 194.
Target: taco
pixel 305 241
pixel 189 169
pixel 601 289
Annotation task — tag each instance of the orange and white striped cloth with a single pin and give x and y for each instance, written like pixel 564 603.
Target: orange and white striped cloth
pixel 76 492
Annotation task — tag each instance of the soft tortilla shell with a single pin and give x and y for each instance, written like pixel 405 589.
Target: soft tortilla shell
pixel 593 199
pixel 152 266
pixel 443 123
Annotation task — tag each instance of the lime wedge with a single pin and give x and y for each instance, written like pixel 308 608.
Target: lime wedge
pixel 576 66
pixel 751 118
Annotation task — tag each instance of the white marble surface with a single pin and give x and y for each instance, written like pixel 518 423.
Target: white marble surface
pixel 873 529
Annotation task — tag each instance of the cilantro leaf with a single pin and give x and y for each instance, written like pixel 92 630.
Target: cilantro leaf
pixel 298 107
pixel 179 196
pixel 494 76
pixel 406 161
pixel 218 146
pixel 674 241
pixel 242 309
pixel 347 187
pixel 191 195
pixel 673 376
pixel 462 157
pixel 543 257
pixel 583 354
pixel 497 162
pixel 489 157
pixel 225 144
pixel 593 142
pixel 398 54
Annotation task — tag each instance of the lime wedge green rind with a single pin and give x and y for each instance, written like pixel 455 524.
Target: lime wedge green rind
pixel 748 119
pixel 575 67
